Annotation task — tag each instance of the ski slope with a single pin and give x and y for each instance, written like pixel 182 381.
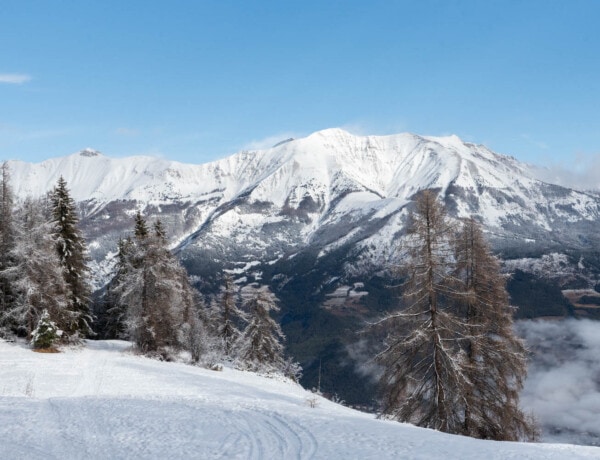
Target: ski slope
pixel 103 402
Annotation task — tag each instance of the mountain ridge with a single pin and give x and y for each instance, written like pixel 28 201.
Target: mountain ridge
pixel 303 184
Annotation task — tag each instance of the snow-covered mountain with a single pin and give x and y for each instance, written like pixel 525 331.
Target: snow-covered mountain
pixel 102 401
pixel 318 220
pixel 324 191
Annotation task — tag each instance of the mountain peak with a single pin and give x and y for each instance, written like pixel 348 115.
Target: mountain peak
pixel 449 140
pixel 89 152
pixel 331 132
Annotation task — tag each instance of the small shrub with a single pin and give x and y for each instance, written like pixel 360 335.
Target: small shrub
pixel 46 334
pixel 312 401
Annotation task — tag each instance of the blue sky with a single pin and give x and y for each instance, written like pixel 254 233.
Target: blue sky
pixel 198 80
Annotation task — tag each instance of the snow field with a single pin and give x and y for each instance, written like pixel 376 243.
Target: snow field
pixel 101 401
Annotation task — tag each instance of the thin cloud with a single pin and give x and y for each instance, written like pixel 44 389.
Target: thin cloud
pixel 534 142
pixel 14 78
pixel 364 128
pixel 127 132
pixel 580 173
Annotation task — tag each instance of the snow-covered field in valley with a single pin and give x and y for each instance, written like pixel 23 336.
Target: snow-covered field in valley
pixel 101 401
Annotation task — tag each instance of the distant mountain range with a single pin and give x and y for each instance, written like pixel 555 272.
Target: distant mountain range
pixel 319 218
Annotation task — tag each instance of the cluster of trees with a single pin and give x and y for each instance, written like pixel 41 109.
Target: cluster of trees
pixel 45 293
pixel 43 265
pixel 451 361
pixel 151 302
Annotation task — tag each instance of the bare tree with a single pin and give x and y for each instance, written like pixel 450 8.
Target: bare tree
pixel 424 379
pixel 451 360
pixel 495 355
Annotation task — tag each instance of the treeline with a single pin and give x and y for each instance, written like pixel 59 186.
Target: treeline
pixel 45 292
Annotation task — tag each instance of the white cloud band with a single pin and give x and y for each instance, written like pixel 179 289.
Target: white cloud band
pixel 14 78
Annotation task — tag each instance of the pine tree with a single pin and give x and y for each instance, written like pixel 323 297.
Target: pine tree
pixel 262 348
pixel 495 356
pixel 228 316
pixel 72 251
pixel 36 276
pixel 424 376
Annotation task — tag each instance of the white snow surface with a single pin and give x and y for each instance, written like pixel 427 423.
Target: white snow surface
pixel 101 401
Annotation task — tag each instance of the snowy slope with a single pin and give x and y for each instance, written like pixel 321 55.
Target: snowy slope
pixel 103 402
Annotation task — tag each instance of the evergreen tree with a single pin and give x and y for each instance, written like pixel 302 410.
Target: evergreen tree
pixel 141 228
pixel 72 252
pixel 7 232
pixel 160 232
pixel 46 334
pixel 114 318
pixel 424 376
pixel 7 240
pixel 155 290
pixel 262 347
pixel 228 316
pixel 36 277
pixel 495 356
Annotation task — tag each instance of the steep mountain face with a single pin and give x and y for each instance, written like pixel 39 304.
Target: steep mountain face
pixel 319 218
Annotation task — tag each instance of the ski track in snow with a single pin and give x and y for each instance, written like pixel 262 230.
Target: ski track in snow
pixel 102 402
pixel 135 430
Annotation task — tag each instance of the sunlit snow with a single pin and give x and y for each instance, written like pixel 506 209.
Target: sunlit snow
pixel 101 401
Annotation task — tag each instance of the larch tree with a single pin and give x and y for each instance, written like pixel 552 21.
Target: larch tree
pixel 262 347
pixel 496 363
pixel 451 360
pixel 425 377
pixel 73 255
